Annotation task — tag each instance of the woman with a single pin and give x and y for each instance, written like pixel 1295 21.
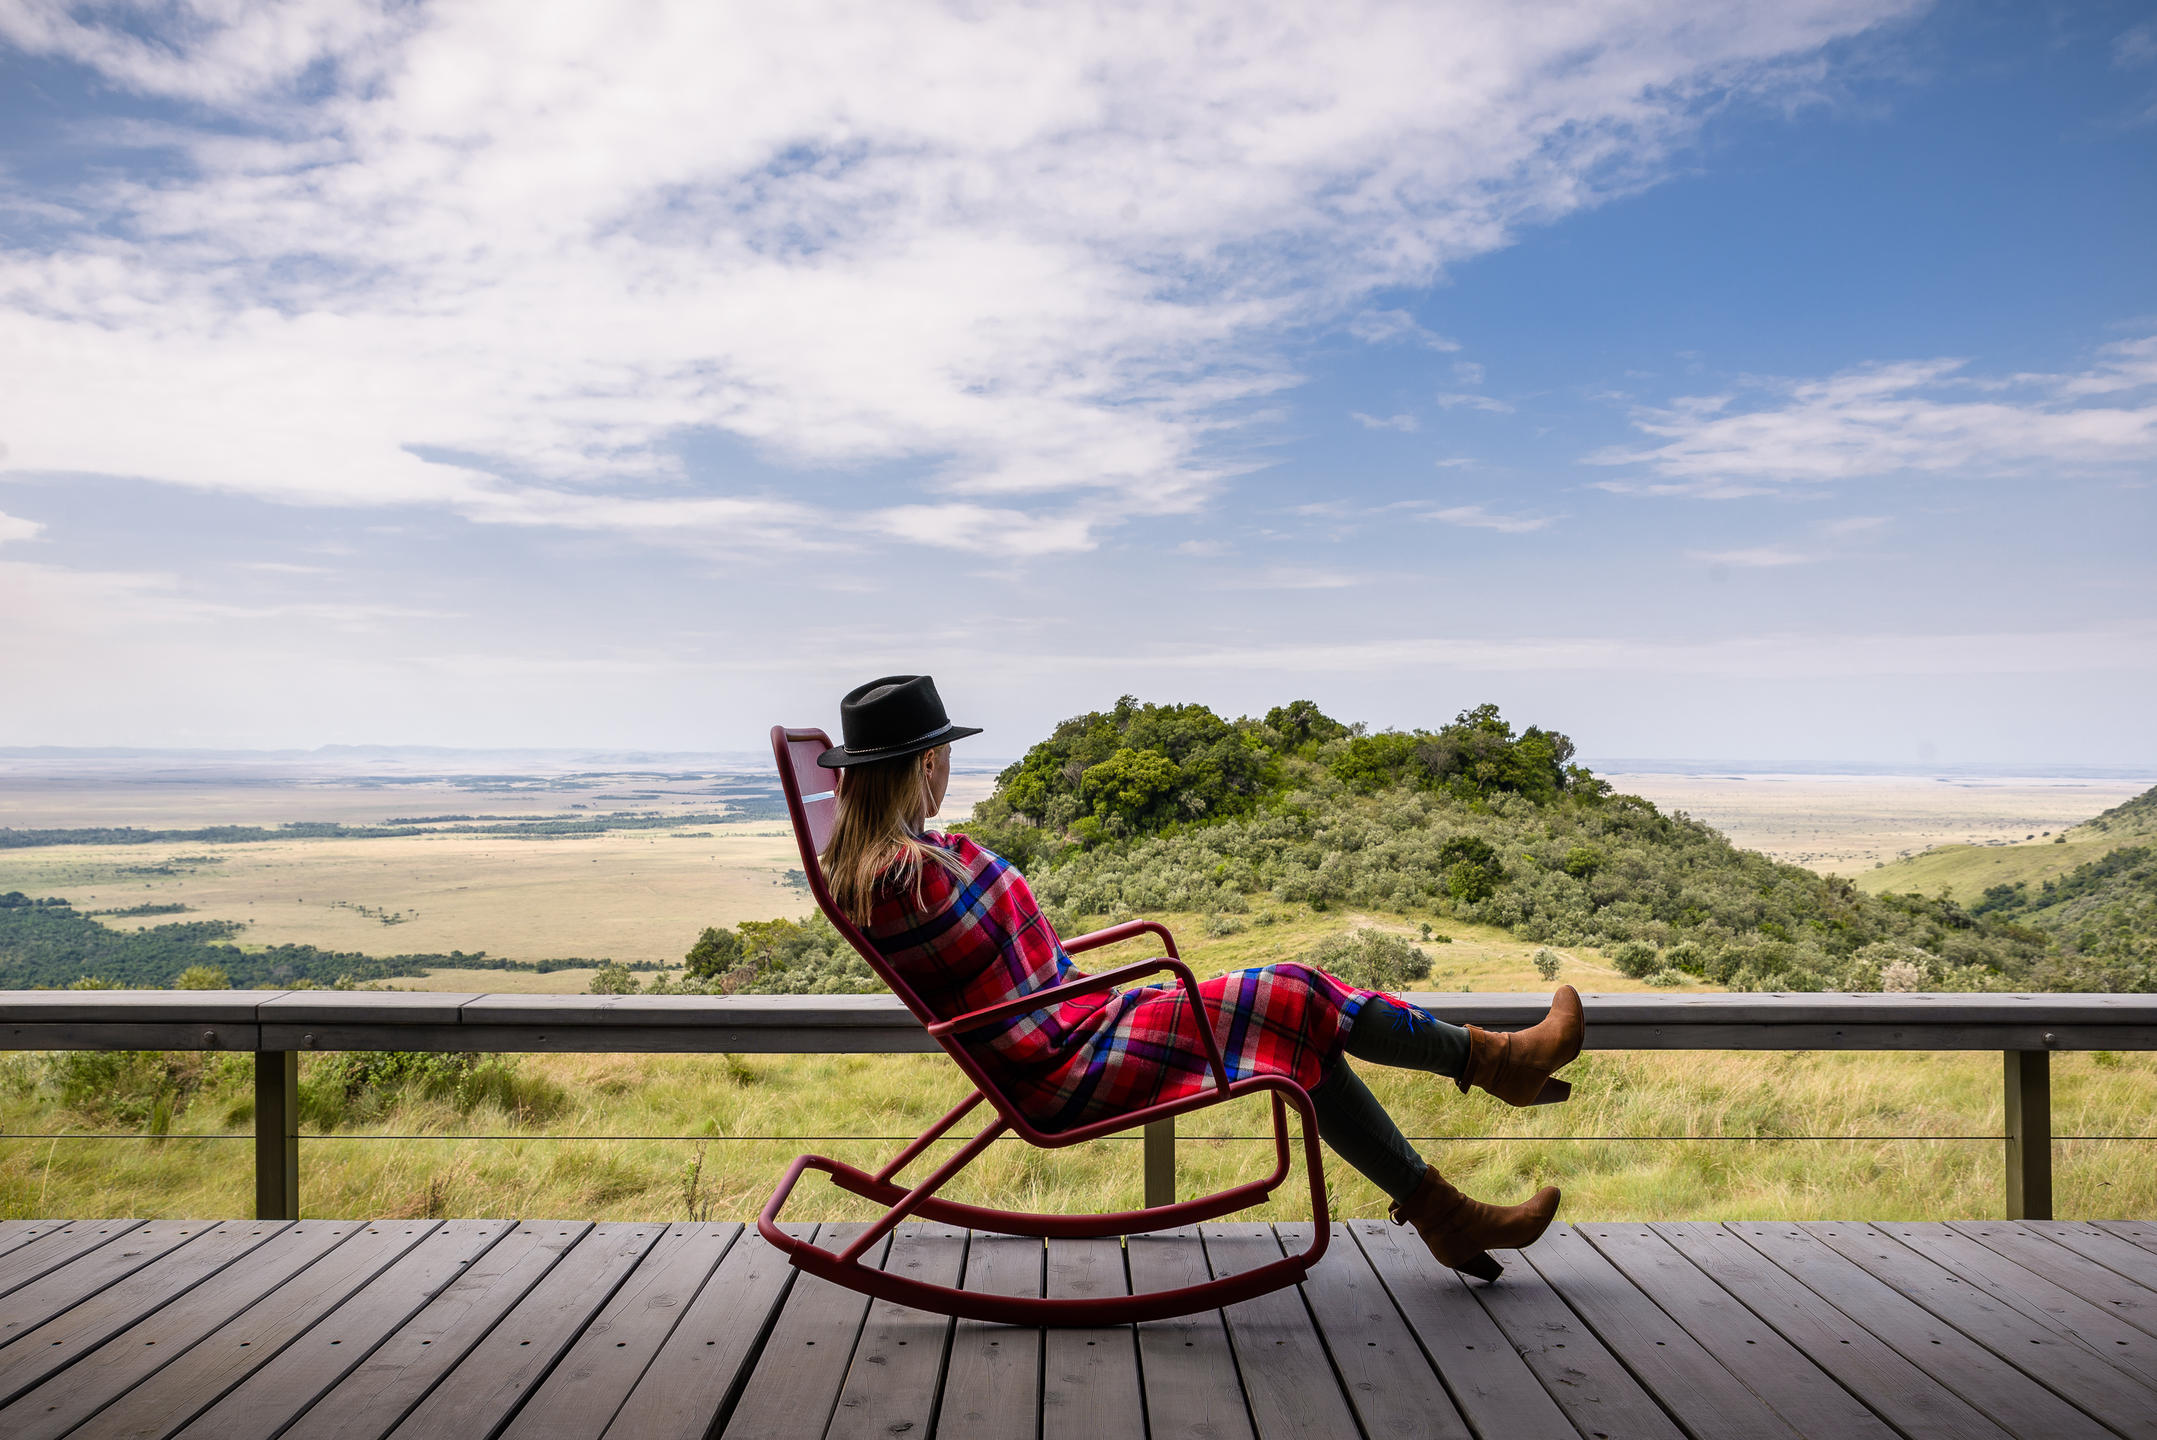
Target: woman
pixel 963 928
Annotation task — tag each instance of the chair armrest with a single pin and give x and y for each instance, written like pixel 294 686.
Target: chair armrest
pixel 1049 995
pixel 1125 931
pixel 1092 984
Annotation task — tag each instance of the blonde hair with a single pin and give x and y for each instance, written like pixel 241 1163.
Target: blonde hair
pixel 882 806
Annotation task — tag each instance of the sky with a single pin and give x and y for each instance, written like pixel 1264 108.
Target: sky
pixel 1771 381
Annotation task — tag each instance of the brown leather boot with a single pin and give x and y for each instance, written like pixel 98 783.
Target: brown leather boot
pixel 1515 1065
pixel 1461 1231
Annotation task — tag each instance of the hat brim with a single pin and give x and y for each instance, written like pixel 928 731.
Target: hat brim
pixel 838 757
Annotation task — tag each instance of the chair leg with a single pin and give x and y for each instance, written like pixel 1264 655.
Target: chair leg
pixel 889 1220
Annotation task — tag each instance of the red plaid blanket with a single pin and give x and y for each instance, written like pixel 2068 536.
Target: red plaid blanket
pixel 967 942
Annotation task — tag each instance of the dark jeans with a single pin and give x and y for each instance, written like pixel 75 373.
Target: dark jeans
pixel 1351 1120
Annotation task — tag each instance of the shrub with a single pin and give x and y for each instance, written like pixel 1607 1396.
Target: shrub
pixel 1636 959
pixel 1664 979
pixel 1900 977
pixel 203 977
pixel 613 979
pixel 1372 959
pixel 1547 963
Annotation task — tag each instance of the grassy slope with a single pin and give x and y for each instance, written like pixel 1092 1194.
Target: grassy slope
pixel 1660 1094
pixel 1965 871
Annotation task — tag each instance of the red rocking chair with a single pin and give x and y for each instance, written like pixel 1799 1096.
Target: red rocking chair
pixel 810 802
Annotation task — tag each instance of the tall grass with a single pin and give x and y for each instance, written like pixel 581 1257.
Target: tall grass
pixel 567 1116
pixel 566 1158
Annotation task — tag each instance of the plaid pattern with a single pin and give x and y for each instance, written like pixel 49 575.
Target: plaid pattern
pixel 965 942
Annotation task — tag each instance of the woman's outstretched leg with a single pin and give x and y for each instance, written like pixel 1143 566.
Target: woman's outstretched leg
pixel 1513 1065
pixel 1459 1231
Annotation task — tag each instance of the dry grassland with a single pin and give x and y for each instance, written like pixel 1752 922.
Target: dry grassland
pixel 1848 824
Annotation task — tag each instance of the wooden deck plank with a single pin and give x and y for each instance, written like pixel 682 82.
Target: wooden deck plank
pixel 705 1362
pixel 1917 1405
pixel 1703 1396
pixel 267 1401
pixel 2115 1253
pixel 172 1397
pixel 166 1334
pixel 1589 1383
pixel 1384 1374
pixel 2057 1361
pixel 66 1338
pixel 46 1253
pixel 2038 1297
pixel 578 1400
pixel 1488 1378
pixel 992 1382
pixel 891 1387
pixel 2074 1272
pixel 61 1290
pixel 1186 1364
pixel 1807 1397
pixel 795 1385
pixel 1090 1383
pixel 478 1397
pixel 2142 1233
pixel 14 1234
pixel 1288 1378
pixel 368 1403
pixel 2013 1401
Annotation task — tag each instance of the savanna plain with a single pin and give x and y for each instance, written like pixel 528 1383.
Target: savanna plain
pixel 1655 1135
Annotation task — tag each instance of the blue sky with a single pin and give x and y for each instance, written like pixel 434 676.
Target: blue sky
pixel 1763 382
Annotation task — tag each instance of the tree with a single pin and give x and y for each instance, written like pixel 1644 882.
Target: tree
pixel 1129 786
pixel 1303 726
pixel 203 977
pixel 614 979
pixel 717 951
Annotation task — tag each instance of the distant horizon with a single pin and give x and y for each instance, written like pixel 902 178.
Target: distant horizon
pixel 979 763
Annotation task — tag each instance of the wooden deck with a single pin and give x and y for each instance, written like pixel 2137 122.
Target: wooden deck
pixel 470 1329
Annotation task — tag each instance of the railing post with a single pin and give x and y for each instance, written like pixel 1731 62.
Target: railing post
pixel 1160 1162
pixel 277 1135
pixel 2029 1134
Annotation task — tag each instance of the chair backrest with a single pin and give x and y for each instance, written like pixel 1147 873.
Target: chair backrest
pixel 812 803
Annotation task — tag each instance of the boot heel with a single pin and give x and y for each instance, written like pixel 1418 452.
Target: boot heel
pixel 1554 1092
pixel 1481 1266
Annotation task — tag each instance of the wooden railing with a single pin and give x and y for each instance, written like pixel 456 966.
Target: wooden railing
pixel 277 1026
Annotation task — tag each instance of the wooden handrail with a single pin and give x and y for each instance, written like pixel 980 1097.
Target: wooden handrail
pixel 276 1026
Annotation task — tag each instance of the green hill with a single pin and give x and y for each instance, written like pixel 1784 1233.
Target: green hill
pixel 2134 819
pixel 1170 807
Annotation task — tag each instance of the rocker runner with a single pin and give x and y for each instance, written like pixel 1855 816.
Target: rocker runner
pixel 962 926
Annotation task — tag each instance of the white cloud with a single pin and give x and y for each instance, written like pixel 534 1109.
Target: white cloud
pixel 1403 423
pixel 1451 400
pixel 14 527
pixel 1294 577
pixel 502 257
pixel 1468 372
pixel 1383 327
pixel 1203 549
pixel 1856 525
pixel 1914 417
pixel 1758 557
pixel 1475 517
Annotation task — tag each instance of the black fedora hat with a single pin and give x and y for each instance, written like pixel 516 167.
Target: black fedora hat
pixel 885 719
